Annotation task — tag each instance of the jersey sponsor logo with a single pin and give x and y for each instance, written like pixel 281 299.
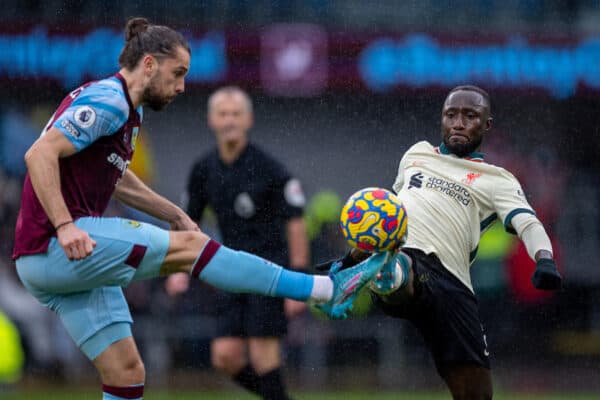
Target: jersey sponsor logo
pixel 449 188
pixel 471 176
pixel 118 162
pixel 69 128
pixel 244 206
pixel 84 116
pixel 416 180
pixel 293 193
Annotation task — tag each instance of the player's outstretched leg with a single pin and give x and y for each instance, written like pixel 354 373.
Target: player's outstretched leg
pixel 238 271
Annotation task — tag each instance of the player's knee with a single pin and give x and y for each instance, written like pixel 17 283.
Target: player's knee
pixel 264 363
pixel 227 361
pixel 135 371
pixel 191 240
pixel 264 354
pixel 184 248
pixel 130 371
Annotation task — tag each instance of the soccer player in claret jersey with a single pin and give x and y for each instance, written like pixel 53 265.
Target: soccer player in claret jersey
pixel 75 262
pixel 452 196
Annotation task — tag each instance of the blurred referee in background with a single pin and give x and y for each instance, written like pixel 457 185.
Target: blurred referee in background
pixel 259 209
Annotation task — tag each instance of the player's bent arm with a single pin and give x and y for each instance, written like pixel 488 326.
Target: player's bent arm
pixel 135 193
pixel 539 248
pixel 534 236
pixel 43 167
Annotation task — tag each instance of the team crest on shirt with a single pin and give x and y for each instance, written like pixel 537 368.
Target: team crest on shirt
pixel 84 116
pixel 244 206
pixel 471 177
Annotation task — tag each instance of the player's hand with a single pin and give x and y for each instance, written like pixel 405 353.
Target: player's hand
pixel 184 223
pixel 293 308
pixel 546 275
pixel 177 284
pixel 76 242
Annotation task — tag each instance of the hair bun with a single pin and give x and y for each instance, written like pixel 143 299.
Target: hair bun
pixel 135 26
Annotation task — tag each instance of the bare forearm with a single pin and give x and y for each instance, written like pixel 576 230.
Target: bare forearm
pixel 133 192
pixel 298 243
pixel 43 168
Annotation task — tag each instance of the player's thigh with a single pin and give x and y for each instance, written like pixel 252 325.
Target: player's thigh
pixel 265 353
pixel 467 382
pixel 183 252
pixel 125 250
pixel 94 319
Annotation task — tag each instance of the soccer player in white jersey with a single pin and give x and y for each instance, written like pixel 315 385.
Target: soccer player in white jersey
pixel 452 196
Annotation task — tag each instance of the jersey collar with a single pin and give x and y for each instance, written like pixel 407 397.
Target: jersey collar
pixel 125 90
pixel 474 156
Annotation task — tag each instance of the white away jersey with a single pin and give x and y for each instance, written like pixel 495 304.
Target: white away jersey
pixel 451 201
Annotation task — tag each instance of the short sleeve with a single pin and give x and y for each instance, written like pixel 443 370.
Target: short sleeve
pixel 399 182
pixel 288 196
pixel 509 200
pixel 100 110
pixel 196 191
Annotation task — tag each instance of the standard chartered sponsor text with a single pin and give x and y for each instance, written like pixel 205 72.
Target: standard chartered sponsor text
pixel 449 188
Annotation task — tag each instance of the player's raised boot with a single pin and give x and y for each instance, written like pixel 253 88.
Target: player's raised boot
pixel 348 282
pixel 393 275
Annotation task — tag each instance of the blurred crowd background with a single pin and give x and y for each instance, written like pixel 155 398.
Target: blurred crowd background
pixel 341 89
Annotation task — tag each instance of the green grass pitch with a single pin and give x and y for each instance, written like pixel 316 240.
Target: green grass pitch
pixel 53 394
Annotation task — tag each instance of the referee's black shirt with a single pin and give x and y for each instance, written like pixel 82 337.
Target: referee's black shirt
pixel 253 199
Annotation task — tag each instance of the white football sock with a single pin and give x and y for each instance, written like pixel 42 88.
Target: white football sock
pixel 322 290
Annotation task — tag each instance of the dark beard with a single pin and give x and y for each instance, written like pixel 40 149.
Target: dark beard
pixel 462 150
pixel 153 99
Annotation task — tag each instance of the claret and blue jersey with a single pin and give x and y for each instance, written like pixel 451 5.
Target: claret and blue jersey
pixel 100 121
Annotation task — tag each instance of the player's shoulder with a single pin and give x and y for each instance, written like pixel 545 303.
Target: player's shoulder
pixel 502 173
pixel 421 147
pixel 105 95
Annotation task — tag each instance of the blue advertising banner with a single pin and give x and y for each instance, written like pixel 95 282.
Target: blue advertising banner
pixel 71 59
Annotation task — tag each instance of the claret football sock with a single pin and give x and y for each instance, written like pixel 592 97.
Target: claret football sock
pixel 134 392
pixel 238 271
